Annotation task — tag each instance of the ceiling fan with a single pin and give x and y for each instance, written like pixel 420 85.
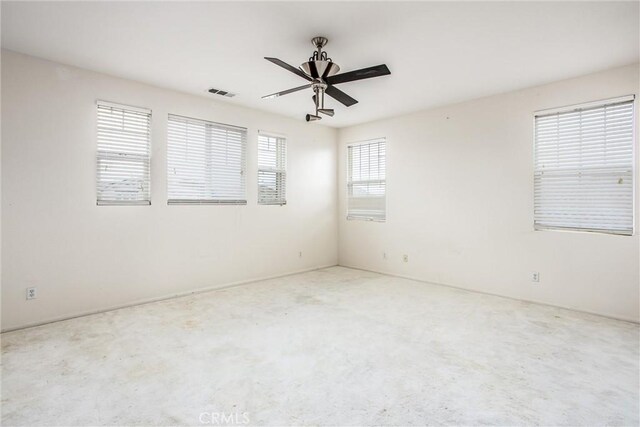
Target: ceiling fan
pixel 321 72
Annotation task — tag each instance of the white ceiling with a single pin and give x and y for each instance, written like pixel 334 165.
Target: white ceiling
pixel 438 52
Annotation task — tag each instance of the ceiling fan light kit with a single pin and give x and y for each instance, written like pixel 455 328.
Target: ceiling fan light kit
pixel 326 111
pixel 322 73
pixel 312 118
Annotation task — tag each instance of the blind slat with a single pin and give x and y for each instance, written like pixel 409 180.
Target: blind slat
pixel 583 164
pixel 366 180
pixel 124 154
pixel 205 162
pixel 272 173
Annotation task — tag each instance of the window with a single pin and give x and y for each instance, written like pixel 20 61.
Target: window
pixel 206 162
pixel 584 167
pixel 123 161
pixel 272 174
pixel 366 180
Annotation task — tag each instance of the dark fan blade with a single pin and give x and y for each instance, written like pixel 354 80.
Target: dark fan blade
pixel 285 92
pixel 288 67
pixel 364 73
pixel 339 95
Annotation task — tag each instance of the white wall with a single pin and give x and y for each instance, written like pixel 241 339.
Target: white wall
pixel 460 204
pixel 83 257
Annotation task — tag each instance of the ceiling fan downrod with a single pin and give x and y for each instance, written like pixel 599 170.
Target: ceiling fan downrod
pixel 319 67
pixel 318 101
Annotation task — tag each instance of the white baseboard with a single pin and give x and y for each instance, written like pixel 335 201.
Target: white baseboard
pixel 161 298
pixel 253 280
pixel 608 316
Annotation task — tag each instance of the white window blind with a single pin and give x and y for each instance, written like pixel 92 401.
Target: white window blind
pixel 366 180
pixel 584 168
pixel 206 162
pixel 123 161
pixel 272 174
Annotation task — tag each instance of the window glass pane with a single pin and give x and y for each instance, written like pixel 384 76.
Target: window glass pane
pixel 123 158
pixel 206 162
pixel 584 169
pixel 366 186
pixel 272 175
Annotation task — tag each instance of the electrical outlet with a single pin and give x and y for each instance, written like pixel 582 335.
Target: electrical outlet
pixel 32 293
pixel 535 276
pixel 300 254
pixel 405 258
pixel 384 255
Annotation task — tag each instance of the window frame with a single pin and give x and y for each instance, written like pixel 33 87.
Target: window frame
pixel 584 106
pixel 98 156
pixel 281 144
pixel 349 181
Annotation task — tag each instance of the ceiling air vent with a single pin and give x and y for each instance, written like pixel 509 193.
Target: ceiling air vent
pixel 222 93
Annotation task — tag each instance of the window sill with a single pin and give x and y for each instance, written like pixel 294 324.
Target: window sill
pixel 123 203
pixel 367 219
pixel 272 203
pixel 583 230
pixel 205 202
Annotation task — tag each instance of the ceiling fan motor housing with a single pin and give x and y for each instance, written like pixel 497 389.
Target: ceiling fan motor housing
pixel 320 69
pixel 319 66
